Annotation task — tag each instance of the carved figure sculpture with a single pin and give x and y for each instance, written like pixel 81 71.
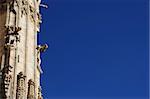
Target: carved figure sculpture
pixel 19 24
pixel 40 48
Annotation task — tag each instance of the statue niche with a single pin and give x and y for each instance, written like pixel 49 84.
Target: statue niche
pixel 31 86
pixel 20 86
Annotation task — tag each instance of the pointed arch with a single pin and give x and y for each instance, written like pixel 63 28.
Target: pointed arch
pixel 31 86
pixel 20 91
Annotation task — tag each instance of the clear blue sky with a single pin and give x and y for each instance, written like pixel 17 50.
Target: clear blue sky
pixel 98 49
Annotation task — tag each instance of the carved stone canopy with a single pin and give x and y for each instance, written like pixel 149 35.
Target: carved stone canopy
pixel 13 29
pixel 20 75
pixel 12 36
pixel 7 69
pixel 31 82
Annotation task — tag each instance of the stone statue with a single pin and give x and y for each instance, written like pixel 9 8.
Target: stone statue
pixel 19 24
pixel 40 48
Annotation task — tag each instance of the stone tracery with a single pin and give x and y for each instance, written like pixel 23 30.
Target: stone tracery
pixel 12 84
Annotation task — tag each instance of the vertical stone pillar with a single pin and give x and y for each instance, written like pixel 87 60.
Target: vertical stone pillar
pixel 19 55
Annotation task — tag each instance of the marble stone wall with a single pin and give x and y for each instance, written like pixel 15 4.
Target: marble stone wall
pixel 25 15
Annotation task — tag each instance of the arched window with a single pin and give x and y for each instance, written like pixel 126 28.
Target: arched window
pixel 20 86
pixel 30 89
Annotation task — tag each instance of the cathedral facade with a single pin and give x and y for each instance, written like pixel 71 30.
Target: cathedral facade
pixel 19 53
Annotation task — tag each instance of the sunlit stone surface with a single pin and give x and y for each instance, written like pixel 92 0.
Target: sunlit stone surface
pixel 19 53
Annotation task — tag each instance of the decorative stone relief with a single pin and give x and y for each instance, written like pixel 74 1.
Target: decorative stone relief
pixel 12 36
pixel 20 86
pixel 35 16
pixel 24 8
pixel 7 78
pixel 32 14
pixel 39 20
pixel 12 7
pixel 31 86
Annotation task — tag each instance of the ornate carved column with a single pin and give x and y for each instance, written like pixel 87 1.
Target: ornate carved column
pixel 11 39
pixel 6 77
pixel 20 86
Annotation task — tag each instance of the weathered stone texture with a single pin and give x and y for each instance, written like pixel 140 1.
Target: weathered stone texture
pixel 19 24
